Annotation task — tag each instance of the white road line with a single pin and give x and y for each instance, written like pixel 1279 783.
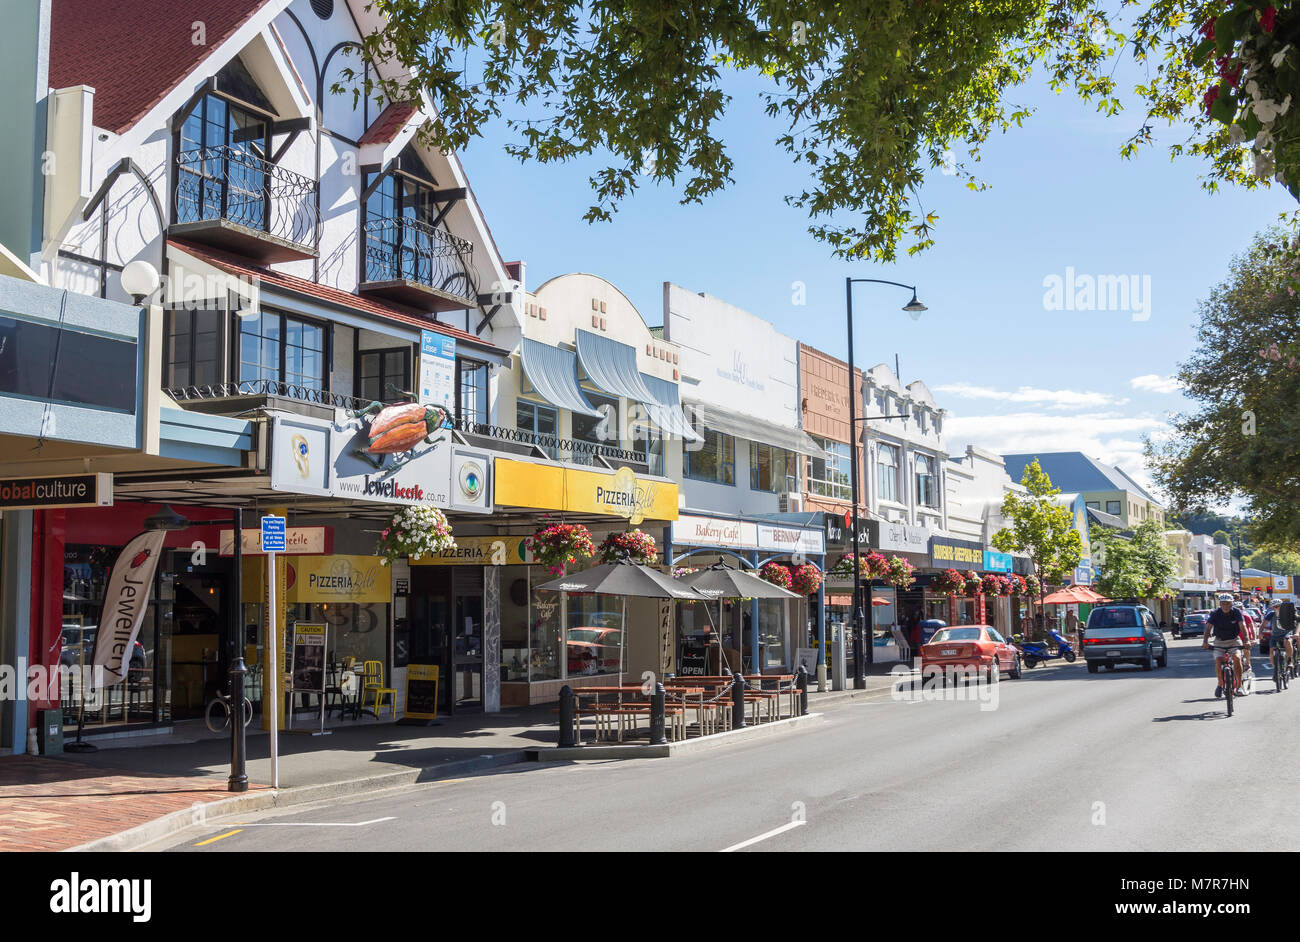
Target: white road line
pixel 762 837
pixel 318 824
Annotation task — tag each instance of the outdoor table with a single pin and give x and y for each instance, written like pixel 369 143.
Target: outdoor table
pixel 619 709
pixel 776 694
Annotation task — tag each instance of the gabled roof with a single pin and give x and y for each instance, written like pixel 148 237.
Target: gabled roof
pixel 389 124
pixel 133 52
pixel 1075 471
pixel 276 279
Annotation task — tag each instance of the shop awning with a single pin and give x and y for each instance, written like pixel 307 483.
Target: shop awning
pixel 611 366
pixel 666 410
pixel 553 373
pixel 754 430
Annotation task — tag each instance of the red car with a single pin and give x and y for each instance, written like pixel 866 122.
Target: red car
pixel 970 648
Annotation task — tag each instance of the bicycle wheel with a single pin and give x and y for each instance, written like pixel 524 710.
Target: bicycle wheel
pixel 1279 672
pixel 1229 682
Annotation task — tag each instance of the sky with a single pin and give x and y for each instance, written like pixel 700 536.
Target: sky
pixel 1016 368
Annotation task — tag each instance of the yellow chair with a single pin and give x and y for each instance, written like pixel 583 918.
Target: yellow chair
pixel 374 680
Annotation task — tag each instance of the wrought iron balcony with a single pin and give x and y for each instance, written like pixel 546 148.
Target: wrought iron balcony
pixel 522 442
pixel 410 261
pixel 238 398
pixel 234 200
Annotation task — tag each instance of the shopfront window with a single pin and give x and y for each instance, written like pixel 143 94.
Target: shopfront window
pixel 380 369
pixel 596 430
pixel 829 476
pixel 544 636
pixel 514 623
pixel 194 348
pixel 772 625
pixel 280 348
pixel 540 420
pixel 593 637
pixel 713 459
pixel 648 443
pixel 471 391
pixel 887 471
pixel 771 469
pixel 927 494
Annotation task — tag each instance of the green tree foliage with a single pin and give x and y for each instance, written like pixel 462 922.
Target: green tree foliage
pixel 1040 527
pixel 1242 439
pixel 1221 537
pixel 1140 566
pixel 1282 562
pixel 868 97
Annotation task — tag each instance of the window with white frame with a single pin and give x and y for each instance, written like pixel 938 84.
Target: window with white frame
pixel 887 471
pixel 829 476
pixel 927 493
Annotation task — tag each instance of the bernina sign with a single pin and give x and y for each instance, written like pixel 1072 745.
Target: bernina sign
pixel 790 539
pixel 64 490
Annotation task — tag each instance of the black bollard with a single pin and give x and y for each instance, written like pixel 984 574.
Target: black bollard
pixel 238 744
pixel 737 701
pixel 568 701
pixel 657 707
pixel 801 682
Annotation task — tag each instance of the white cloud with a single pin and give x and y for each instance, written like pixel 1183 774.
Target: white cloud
pixel 1051 398
pixel 1153 382
pixel 1111 437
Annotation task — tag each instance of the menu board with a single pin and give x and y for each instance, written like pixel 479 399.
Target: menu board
pixel 308 664
pixel 421 692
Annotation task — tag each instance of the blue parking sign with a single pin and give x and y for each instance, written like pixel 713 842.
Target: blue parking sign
pixel 273 535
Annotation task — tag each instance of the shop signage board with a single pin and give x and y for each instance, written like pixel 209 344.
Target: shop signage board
pixel 899 537
pixel 327 458
pixel 297 540
pixel 59 490
pixel 421 692
pixel 839 530
pixel 691 530
pixel 999 562
pixel 438 370
pixel 340 579
pixel 694 659
pixel 125 602
pixel 554 487
pixel 793 540
pixel 481 551
pixel 955 554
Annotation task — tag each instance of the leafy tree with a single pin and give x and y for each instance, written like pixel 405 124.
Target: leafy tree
pixel 1222 537
pixel 1241 440
pixel 1041 527
pixel 1140 566
pixel 1282 562
pixel 871 96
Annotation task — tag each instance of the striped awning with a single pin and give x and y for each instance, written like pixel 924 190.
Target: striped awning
pixel 554 374
pixel 611 366
pixel 666 410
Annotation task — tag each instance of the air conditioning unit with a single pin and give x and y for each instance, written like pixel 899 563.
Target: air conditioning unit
pixel 790 502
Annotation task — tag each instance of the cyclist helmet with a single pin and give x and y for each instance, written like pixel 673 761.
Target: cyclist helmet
pixel 1226 597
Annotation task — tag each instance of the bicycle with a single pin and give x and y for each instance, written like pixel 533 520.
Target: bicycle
pixel 1282 666
pixel 223 701
pixel 1229 677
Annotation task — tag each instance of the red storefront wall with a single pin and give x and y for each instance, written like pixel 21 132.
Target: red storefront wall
pixel 52 530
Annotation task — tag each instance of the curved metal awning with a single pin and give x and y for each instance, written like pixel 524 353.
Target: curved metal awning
pixel 611 366
pixel 666 410
pixel 755 430
pixel 553 373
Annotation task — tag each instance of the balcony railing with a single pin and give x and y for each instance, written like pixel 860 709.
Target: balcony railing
pixel 559 449
pixel 417 263
pixel 265 387
pixel 246 203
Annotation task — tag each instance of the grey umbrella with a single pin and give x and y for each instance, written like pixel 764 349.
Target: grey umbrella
pixel 720 581
pixel 624 578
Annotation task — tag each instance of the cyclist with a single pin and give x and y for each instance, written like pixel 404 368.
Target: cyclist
pixel 1284 625
pixel 1228 626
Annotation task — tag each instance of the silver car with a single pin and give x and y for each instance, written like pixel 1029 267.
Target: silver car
pixel 1123 634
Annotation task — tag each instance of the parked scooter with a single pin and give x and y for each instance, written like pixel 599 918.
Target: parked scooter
pixel 1034 653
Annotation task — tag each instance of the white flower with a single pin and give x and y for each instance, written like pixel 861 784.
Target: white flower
pixel 1253 88
pixel 1263 166
pixel 1236 133
pixel 1263 140
pixel 1280 55
pixel 1267 110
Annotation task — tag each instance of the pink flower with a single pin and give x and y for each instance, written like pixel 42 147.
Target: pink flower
pixel 1210 97
pixel 1267 19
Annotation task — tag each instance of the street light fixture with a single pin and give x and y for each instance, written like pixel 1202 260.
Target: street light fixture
pixel 914 308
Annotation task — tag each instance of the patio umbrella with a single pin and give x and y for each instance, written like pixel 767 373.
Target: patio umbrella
pixel 720 581
pixel 624 578
pixel 1074 594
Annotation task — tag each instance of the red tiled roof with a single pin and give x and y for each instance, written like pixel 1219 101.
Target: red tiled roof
pixel 389 123
pixel 133 52
pixel 363 305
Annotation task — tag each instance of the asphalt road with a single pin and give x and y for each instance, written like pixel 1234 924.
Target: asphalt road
pixel 1065 761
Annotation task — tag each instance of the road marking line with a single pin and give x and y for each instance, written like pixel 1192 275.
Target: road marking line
pixel 211 840
pixel 319 824
pixel 762 837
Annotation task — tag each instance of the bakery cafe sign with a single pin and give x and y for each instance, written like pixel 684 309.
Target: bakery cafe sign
pixel 713 531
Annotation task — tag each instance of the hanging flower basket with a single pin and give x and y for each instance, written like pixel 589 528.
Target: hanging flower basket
pixel 806 579
pixel 897 572
pixel 777 574
pixel 972 583
pixel 558 545
pixel 989 585
pixel 1032 585
pixel 634 545
pixel 871 566
pixel 1017 584
pixel 948 582
pixel 415 532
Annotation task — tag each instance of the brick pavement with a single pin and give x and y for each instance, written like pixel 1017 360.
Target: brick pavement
pixel 54 804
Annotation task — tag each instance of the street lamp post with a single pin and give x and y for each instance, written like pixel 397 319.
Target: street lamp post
pixel 859 618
